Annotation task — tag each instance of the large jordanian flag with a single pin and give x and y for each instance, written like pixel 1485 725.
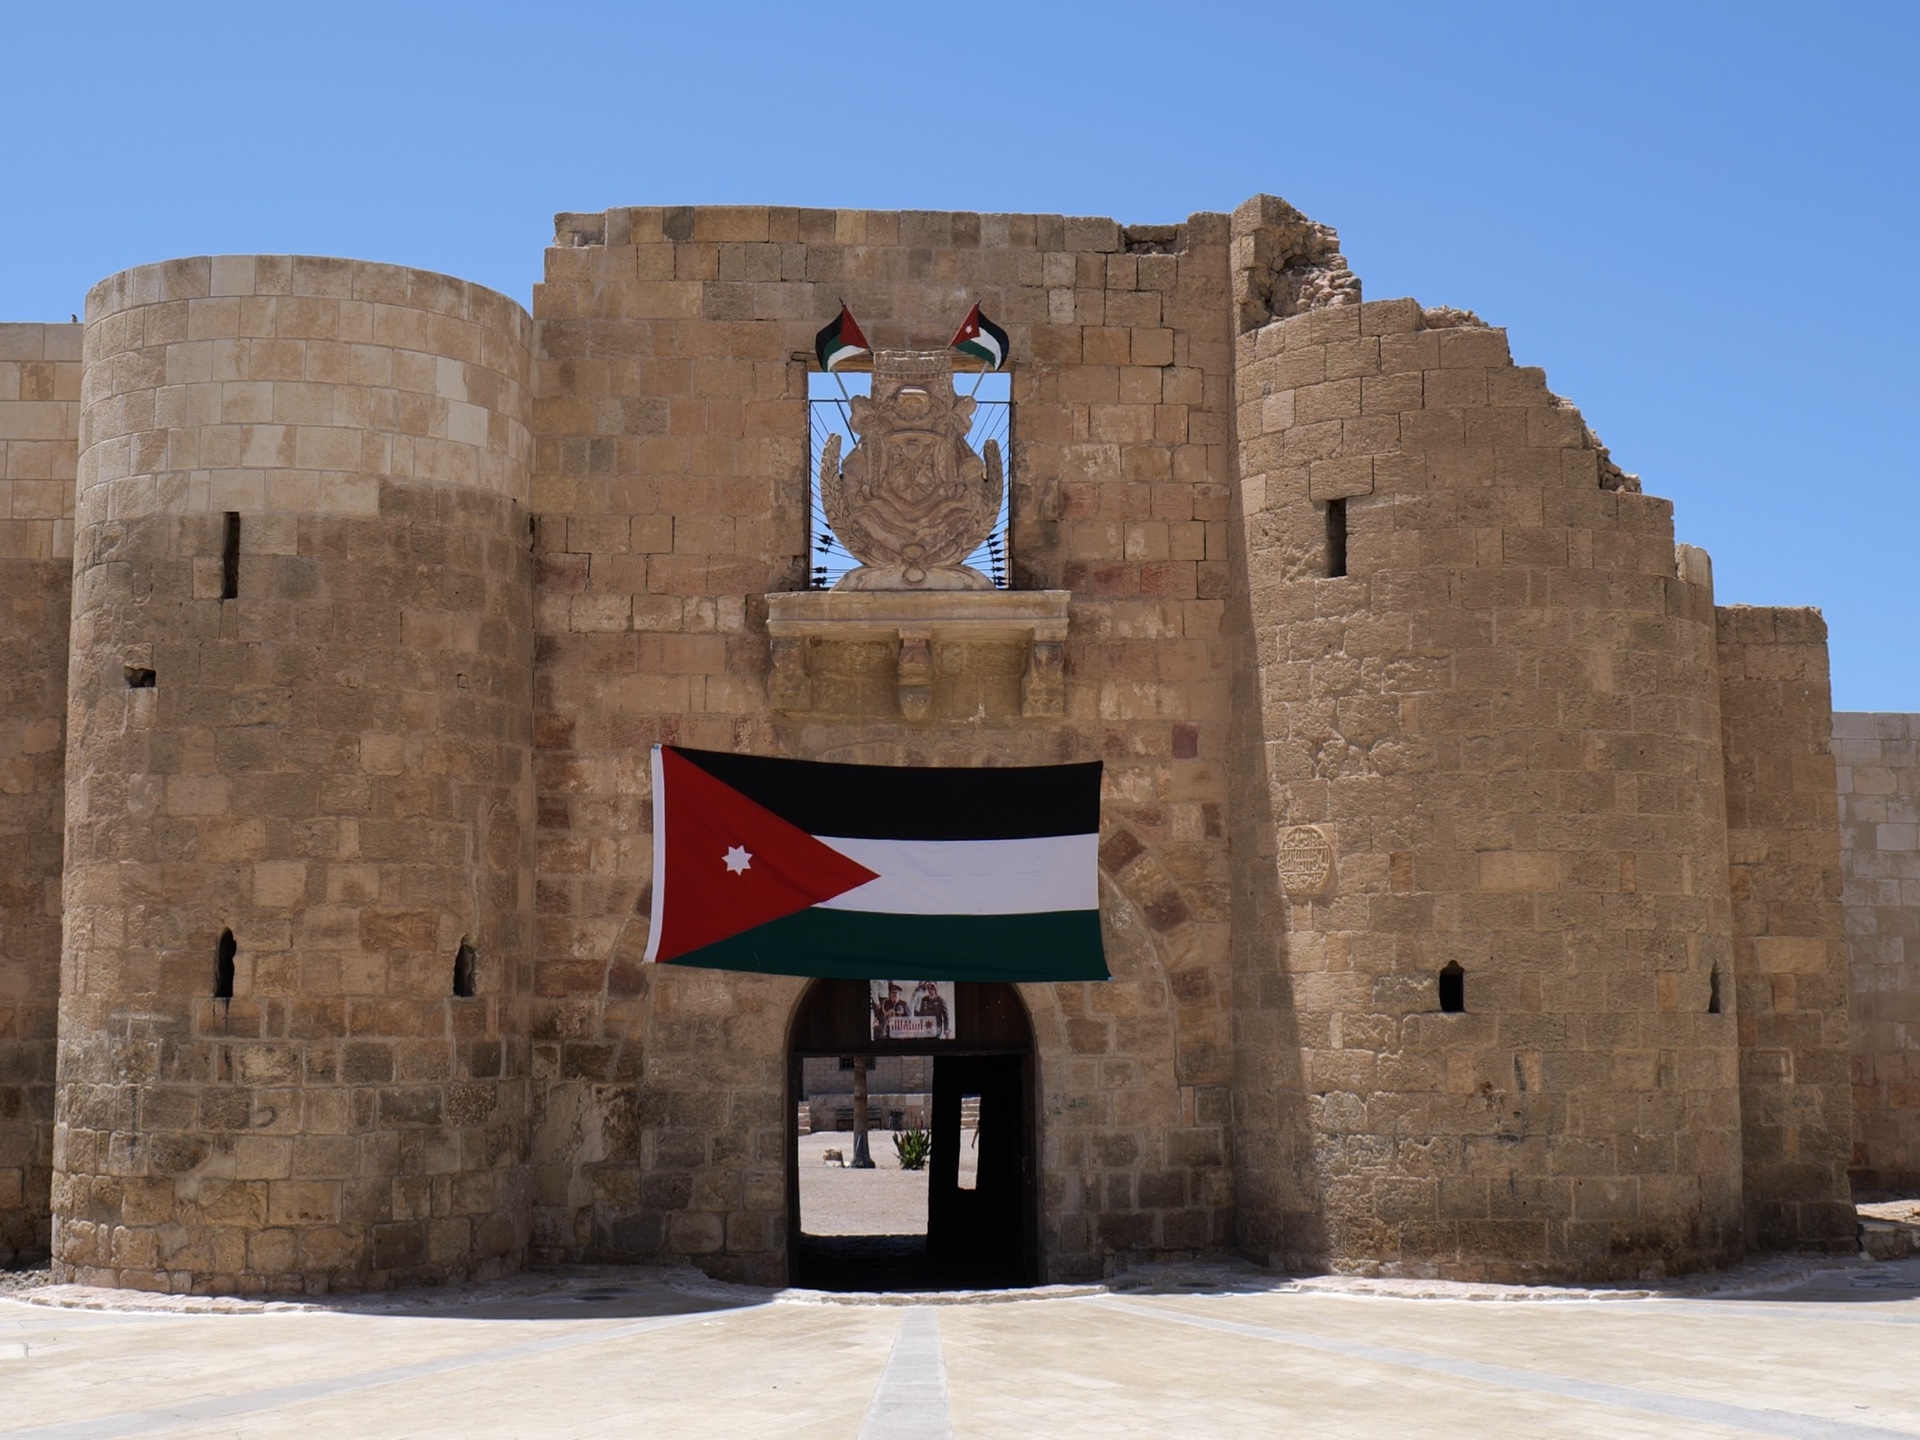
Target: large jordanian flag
pixel 791 867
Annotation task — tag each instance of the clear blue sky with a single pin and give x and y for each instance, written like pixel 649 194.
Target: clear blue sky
pixel 1698 217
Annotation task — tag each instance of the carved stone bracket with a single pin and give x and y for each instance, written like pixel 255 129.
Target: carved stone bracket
pixel 788 685
pixel 918 620
pixel 916 672
pixel 1043 689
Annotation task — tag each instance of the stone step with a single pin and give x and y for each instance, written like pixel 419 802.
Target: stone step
pixel 1889 1239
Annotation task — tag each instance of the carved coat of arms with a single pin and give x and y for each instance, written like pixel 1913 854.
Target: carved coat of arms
pixel 912 499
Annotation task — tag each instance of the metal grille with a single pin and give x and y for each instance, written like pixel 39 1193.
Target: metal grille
pixel 827 415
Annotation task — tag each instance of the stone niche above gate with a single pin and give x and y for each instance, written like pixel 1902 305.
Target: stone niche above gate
pixel 919 655
pixel 914 632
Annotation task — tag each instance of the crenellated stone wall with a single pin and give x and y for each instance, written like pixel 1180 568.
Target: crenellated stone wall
pixel 39 423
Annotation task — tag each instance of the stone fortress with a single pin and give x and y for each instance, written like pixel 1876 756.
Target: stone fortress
pixel 1472 883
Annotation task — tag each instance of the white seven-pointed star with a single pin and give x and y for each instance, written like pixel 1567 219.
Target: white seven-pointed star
pixel 737 859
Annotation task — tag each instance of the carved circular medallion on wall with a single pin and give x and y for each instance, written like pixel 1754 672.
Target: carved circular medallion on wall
pixel 1305 860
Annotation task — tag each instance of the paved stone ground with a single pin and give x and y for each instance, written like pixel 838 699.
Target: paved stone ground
pixel 23 1279
pixel 1812 1349
pixel 885 1200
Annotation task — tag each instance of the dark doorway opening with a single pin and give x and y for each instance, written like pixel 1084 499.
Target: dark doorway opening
pixel 982 1213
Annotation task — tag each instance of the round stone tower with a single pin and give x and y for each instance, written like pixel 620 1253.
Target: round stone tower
pixel 299 813
pixel 1492 759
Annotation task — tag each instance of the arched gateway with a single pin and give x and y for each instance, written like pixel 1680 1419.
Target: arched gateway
pixel 985 1233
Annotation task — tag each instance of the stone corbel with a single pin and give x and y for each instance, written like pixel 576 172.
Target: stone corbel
pixel 915 620
pixel 788 685
pixel 1043 689
pixel 916 673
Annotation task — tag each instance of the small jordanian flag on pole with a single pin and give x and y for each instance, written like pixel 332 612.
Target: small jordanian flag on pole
pixel 790 867
pixel 980 337
pixel 840 341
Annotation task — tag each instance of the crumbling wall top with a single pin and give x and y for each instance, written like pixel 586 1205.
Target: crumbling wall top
pixel 1285 264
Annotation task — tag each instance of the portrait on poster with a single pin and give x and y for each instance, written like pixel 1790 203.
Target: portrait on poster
pixel 912 1009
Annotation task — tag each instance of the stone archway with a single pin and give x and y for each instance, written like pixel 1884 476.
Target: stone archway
pixel 981 1234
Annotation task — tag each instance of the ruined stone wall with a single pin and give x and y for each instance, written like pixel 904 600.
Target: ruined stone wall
pixel 1790 953
pixel 39 420
pixel 332 765
pixel 1877 766
pixel 672 490
pixel 1494 742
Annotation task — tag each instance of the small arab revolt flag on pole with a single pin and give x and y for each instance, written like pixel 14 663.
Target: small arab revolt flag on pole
pixel 790 867
pixel 840 340
pixel 980 337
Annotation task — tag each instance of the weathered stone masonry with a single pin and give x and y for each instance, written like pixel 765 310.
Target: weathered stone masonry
pixel 670 477
pixel 487 558
pixel 39 410
pixel 1878 762
pixel 332 766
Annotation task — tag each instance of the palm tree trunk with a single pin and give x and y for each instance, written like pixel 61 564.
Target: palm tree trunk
pixel 862 1160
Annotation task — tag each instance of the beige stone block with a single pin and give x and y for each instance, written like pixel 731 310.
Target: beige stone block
pixel 231 275
pixel 292 491
pixel 37 499
pixel 1340 479
pixel 246 401
pixel 348 495
pixel 589 613
pixel 302 1202
pixel 1139 386
pixel 665 300
pixel 1517 870
pixel 36 420
pixel 651 534
pixel 1153 347
pixel 703 534
pixel 1791 954
pixel 714 224
pixel 197 794
pixel 279 883
pixel 1121 424
pixel 1106 345
pixel 328 448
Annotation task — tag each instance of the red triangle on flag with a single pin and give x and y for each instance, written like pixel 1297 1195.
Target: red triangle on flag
pixel 729 864
pixel 850 332
pixel 969 327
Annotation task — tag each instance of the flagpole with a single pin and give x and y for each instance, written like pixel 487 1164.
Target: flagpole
pixel 844 401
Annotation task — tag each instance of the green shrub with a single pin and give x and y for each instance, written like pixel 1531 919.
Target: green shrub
pixel 913 1147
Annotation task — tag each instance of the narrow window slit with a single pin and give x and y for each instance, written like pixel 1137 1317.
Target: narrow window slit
pixel 1336 538
pixel 1453 989
pixel 139 677
pixel 223 966
pixel 1713 991
pixel 463 968
pixel 230 559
